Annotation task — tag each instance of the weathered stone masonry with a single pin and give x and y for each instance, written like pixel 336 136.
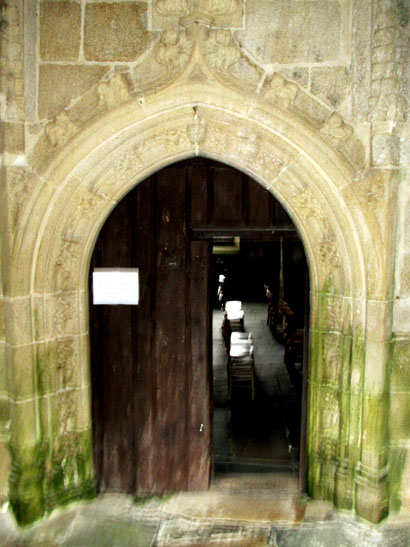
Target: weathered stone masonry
pixel 310 99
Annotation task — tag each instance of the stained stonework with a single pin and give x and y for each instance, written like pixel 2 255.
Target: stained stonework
pixel 60 84
pixel 307 97
pixel 298 31
pixel 60 31
pixel 114 31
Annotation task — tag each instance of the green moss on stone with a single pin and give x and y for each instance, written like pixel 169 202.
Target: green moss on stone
pixel 70 476
pixel 26 483
pixel 396 466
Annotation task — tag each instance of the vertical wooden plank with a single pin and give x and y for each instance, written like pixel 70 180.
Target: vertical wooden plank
pixel 144 373
pixel 169 351
pixel 227 197
pixel 113 373
pixel 259 210
pixel 199 194
pixel 199 365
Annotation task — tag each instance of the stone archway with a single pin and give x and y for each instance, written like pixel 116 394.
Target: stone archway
pixel 80 184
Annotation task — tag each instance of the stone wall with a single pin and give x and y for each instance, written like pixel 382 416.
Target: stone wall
pixel 310 98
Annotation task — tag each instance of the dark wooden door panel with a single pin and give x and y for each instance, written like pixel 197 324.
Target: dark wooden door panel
pixel 199 376
pixel 112 363
pixel 227 191
pixel 169 339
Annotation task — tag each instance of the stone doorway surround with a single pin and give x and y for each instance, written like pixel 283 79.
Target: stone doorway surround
pixel 343 213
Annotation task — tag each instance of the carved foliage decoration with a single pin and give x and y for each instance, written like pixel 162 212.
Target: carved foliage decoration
pixel 173 49
pixel 174 140
pixel 68 255
pixel 335 131
pixel 65 351
pixel 307 205
pixel 328 254
pixel 113 92
pixel 181 7
pixel 281 91
pixel 171 7
pixel 222 7
pixel 220 49
pixel 125 167
pixel 59 131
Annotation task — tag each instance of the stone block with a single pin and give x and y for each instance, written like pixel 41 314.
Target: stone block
pixel 297 74
pixel 402 315
pixel 18 326
pixel 12 138
pixel 5 468
pixel 400 366
pixel 2 331
pixel 400 416
pixel 115 31
pixel 330 84
pixel 59 85
pixel 279 31
pixel 21 372
pixel 406 236
pixel 60 31
pixel 3 370
pixel 385 150
pixel 24 423
pixel 405 275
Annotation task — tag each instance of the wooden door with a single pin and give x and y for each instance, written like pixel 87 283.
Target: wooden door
pixel 150 363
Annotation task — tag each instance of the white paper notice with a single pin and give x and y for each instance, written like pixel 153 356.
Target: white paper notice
pixel 115 286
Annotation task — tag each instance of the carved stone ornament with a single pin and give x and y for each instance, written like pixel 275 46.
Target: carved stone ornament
pixel 174 140
pixel 171 7
pixel 335 131
pixel 65 351
pixel 59 131
pixel 222 7
pixel 267 164
pixel 173 49
pixel 197 130
pixel 69 253
pixel 281 91
pixel 307 205
pixel 328 252
pixel 113 92
pixel 220 49
pixel 248 144
pixel 327 450
pixel 125 167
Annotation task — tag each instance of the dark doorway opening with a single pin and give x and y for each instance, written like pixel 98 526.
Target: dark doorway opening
pixel 263 434
pixel 151 364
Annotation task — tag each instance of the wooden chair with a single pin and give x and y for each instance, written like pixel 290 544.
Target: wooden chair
pixel 241 369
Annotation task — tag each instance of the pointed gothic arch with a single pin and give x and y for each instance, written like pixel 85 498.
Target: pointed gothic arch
pixel 83 182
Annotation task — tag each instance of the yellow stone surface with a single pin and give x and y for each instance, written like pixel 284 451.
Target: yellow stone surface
pixel 60 84
pixel 60 31
pixel 115 31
